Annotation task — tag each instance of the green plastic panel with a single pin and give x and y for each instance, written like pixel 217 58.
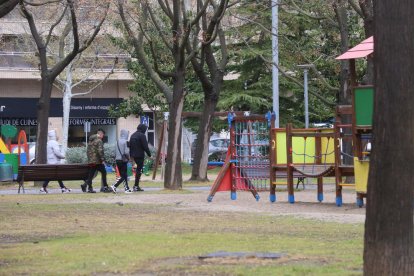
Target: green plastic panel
pixel 13 159
pixel 364 105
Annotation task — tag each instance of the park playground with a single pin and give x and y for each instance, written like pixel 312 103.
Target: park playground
pixel 176 232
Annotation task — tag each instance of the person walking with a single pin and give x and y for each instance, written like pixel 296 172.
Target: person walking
pixel 138 145
pixel 96 161
pixel 122 159
pixel 54 155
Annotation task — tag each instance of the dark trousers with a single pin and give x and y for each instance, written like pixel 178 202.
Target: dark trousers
pixel 140 165
pixel 92 170
pixel 122 168
pixel 59 181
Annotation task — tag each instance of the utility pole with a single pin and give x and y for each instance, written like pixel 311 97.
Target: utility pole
pixel 305 68
pixel 275 60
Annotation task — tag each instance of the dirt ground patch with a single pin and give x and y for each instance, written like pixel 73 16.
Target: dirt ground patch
pixel 306 205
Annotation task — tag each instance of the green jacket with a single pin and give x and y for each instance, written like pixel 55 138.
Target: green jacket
pixel 95 150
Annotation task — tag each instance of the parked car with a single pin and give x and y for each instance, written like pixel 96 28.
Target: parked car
pixel 216 147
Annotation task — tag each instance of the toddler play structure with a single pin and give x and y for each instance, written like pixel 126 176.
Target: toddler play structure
pixel 11 155
pixel 261 157
pixel 251 165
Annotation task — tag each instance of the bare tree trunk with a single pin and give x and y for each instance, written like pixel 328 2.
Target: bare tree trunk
pixel 344 93
pixel 43 107
pixel 173 172
pixel 389 234
pixel 211 83
pixel 199 171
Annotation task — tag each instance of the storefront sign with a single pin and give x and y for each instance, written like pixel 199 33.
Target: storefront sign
pixel 18 121
pixel 72 121
pixel 93 121
pixel 84 108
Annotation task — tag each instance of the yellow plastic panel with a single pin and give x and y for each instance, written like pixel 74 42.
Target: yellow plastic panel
pixel 281 148
pixel 3 148
pixel 298 145
pixel 361 175
pixel 327 147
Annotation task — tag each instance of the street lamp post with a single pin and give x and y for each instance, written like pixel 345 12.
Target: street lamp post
pixel 275 60
pixel 305 68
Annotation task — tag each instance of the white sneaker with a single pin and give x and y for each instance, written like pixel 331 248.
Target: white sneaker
pixel 113 188
pixel 128 191
pixel 66 190
pixel 43 191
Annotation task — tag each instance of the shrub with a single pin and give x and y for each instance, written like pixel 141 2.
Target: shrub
pixel 78 155
pixel 109 150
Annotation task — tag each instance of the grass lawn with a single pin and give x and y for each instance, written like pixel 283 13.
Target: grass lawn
pixel 72 234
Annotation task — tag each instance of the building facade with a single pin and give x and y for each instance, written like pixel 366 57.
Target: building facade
pixel 20 91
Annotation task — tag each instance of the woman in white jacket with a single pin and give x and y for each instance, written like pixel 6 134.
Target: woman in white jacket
pixel 54 155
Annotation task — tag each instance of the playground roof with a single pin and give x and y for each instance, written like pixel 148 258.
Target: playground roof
pixel 363 49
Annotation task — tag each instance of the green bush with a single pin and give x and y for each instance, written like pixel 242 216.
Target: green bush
pixel 78 155
pixel 109 150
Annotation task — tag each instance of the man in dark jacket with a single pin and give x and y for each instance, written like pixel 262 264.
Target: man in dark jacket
pixel 138 146
pixel 96 159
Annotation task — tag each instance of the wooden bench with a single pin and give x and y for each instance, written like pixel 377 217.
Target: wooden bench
pixel 43 172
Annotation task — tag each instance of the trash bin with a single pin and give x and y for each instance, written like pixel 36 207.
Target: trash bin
pixel 6 172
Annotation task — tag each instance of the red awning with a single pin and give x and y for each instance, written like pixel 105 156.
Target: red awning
pixel 363 49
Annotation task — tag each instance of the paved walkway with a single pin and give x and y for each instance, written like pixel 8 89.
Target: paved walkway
pixel 36 190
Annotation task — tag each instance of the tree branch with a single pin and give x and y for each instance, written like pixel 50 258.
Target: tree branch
pixel 42 3
pixel 96 31
pixel 54 25
pixel 161 73
pixel 7 6
pixel 223 49
pixel 166 8
pixel 285 74
pixel 91 69
pixel 313 68
pixel 137 43
pixel 298 9
pixel 157 26
pixel 35 33
pixel 199 13
pixel 99 83
pixel 62 38
pixel 58 68
pixel 356 8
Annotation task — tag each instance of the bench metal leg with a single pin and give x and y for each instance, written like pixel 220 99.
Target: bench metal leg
pixel 21 185
pixel 300 180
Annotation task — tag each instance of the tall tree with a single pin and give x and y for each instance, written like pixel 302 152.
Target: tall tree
pixel 211 79
pixel 175 28
pixel 389 235
pixel 51 68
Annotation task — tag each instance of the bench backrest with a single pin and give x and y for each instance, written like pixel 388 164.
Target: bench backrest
pixel 53 172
